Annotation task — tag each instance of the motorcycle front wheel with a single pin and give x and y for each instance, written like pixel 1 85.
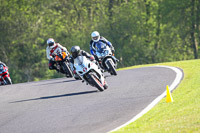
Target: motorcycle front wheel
pixel 95 81
pixel 112 69
pixel 8 80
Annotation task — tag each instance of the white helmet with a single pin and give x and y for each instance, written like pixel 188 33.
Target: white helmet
pixel 95 36
pixel 50 42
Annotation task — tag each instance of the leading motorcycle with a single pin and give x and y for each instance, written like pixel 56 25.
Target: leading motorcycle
pixel 4 76
pixel 89 72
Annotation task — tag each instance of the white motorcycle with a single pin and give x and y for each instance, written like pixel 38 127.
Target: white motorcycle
pixel 107 61
pixel 90 73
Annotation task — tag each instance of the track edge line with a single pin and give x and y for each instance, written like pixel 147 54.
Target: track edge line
pixel 179 77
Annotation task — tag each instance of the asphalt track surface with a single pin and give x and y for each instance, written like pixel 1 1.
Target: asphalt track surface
pixel 70 106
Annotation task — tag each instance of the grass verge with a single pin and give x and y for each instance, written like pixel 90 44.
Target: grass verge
pixel 183 115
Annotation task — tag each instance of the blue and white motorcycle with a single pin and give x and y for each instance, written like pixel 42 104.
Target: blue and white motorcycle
pixel 106 59
pixel 90 73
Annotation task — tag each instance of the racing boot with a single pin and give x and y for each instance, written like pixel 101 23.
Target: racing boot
pixel 105 85
pixel 76 76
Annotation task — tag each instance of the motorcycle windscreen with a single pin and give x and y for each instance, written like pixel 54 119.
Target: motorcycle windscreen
pixel 102 50
pixel 81 61
pixel 3 69
pixel 100 47
pixel 81 64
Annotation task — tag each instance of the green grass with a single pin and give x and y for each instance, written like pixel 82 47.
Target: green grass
pixel 183 115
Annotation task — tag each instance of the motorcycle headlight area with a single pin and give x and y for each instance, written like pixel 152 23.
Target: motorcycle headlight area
pixel 1 68
pixel 106 52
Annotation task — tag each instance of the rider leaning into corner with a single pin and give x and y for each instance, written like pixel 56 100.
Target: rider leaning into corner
pixel 97 40
pixel 2 65
pixel 75 52
pixel 53 49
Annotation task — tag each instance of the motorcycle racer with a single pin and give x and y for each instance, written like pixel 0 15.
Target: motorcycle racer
pixel 86 69
pixel 75 52
pixel 4 74
pixel 98 40
pixel 52 50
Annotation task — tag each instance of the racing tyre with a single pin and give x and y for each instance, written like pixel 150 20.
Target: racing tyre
pixel 95 81
pixel 67 70
pixel 8 80
pixel 111 68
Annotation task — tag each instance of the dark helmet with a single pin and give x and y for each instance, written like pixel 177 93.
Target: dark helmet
pixel 75 50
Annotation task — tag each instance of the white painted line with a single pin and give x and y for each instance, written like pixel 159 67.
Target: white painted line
pixel 179 75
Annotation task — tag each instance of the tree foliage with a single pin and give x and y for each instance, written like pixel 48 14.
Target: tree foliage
pixel 142 31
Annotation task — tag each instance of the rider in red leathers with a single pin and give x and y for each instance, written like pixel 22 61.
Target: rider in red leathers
pixel 4 74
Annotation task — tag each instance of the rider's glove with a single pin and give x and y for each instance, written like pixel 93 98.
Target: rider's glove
pixel 112 49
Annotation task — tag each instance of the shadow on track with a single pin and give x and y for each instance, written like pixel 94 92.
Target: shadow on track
pixel 57 82
pixel 107 76
pixel 56 96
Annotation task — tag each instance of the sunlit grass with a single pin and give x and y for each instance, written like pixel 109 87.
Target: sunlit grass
pixel 183 115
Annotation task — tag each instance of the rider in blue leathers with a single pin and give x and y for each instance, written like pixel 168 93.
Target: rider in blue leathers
pixel 97 40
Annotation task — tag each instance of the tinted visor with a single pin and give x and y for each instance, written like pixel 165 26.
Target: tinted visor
pixel 95 38
pixel 51 44
pixel 74 54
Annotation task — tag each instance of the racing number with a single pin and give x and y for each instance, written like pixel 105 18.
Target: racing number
pixel 84 69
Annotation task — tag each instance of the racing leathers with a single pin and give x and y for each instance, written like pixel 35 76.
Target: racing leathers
pixel 81 53
pixel 93 45
pixel 2 72
pixel 56 49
